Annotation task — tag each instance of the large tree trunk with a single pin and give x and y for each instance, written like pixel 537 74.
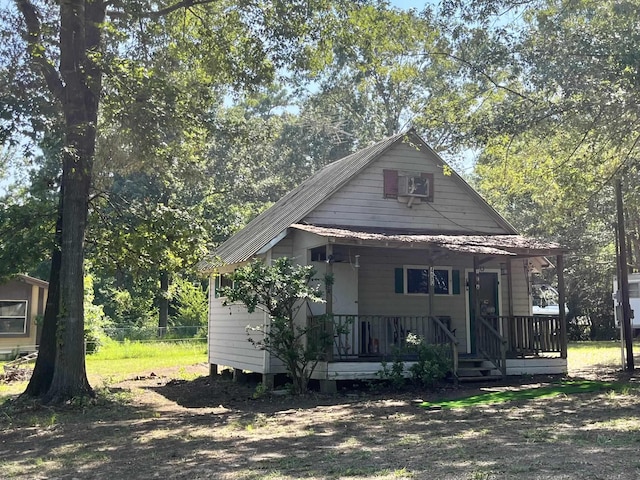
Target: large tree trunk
pixel 80 35
pixel 43 371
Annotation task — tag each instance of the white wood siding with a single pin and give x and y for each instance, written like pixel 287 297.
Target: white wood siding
pixel 520 285
pixel 228 339
pixel 361 201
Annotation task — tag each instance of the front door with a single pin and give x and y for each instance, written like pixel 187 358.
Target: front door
pixel 489 300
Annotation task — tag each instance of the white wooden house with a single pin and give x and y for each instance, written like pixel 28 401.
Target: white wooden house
pixel 412 249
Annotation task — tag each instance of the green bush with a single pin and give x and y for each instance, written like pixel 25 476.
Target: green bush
pixel 282 289
pixel 432 364
pixel 95 320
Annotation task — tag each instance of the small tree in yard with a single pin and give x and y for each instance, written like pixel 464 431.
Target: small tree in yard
pixel 281 290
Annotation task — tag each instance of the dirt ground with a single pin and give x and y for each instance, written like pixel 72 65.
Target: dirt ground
pixel 182 425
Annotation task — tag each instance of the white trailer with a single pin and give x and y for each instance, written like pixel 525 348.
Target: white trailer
pixel 634 300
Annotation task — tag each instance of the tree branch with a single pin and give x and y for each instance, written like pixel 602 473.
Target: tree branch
pixel 154 15
pixel 482 73
pixel 36 49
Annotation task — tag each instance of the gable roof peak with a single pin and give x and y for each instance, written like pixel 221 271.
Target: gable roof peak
pixel 302 200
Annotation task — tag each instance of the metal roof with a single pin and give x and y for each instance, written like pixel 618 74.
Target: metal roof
pixel 298 203
pixel 504 245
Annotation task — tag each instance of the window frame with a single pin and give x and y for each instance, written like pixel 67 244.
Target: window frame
pixel 448 269
pixel 217 284
pixel 25 318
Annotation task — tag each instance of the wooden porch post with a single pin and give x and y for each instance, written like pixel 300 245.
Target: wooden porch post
pixel 561 303
pixel 476 298
pixel 328 324
pixel 510 324
pixel 432 287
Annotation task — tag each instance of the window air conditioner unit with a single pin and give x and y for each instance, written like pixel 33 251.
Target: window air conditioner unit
pixel 413 186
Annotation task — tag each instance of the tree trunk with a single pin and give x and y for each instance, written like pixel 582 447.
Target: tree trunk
pixel 80 35
pixel 43 371
pixel 163 304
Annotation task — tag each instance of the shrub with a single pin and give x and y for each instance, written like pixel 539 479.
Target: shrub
pixel 432 364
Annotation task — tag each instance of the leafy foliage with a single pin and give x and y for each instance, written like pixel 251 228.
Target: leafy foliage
pixel 555 121
pixel 95 319
pixel 282 290
pixel 191 304
pixel 431 364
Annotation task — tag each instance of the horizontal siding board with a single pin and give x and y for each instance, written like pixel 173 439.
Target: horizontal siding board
pixel 228 339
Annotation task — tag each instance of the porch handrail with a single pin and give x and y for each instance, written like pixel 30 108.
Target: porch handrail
pixel 491 344
pixel 441 335
pixel 532 335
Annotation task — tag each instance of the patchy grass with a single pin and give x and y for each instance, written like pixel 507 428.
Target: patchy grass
pixel 115 362
pixel 214 428
pixel 490 398
pixel 584 355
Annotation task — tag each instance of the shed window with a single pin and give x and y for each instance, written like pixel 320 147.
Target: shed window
pixel 415 280
pixel 13 317
pixel 223 280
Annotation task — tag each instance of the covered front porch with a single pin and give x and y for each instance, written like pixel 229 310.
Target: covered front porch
pixel 470 294
pixel 506 343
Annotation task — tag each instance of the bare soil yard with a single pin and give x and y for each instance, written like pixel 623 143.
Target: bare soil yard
pixel 158 426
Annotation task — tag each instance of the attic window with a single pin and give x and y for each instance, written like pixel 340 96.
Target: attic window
pixel 222 281
pixel 404 186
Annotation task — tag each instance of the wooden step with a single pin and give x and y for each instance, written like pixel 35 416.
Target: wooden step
pixel 474 369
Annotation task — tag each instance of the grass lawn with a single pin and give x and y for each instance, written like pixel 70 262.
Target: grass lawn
pixel 157 427
pixel 590 354
pixel 117 361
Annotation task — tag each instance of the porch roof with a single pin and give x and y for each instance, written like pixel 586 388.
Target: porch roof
pixel 499 245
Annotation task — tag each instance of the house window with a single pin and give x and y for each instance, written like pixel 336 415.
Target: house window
pixel 319 254
pixel 13 317
pixel 634 290
pixel 406 185
pixel 417 280
pixel 222 281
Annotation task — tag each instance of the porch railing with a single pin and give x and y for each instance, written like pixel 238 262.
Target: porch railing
pixel 358 336
pixel 490 343
pixel 532 335
pixel 440 334
pixel 362 337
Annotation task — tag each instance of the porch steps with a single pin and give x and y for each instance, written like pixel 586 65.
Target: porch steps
pixel 474 369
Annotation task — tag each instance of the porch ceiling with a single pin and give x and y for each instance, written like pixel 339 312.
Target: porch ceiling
pixel 499 245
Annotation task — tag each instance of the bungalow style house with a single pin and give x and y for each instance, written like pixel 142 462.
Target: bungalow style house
pixel 412 249
pixel 22 300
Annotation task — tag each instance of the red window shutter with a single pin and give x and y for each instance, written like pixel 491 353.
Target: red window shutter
pixel 390 183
